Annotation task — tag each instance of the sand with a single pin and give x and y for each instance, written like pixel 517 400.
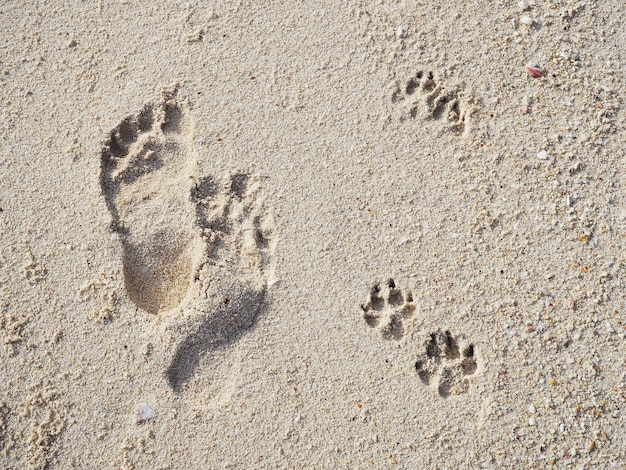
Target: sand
pixel 314 235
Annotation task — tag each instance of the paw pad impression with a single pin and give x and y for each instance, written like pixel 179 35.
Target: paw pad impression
pixel 446 364
pixel 386 308
pixel 423 96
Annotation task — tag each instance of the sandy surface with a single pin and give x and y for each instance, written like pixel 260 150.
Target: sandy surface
pixel 261 235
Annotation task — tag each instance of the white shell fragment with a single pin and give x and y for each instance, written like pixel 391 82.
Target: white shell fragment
pixel 531 409
pixel 144 413
pixel 542 155
pixel 532 422
pixel 527 20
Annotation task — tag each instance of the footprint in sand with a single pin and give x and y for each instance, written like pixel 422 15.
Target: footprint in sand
pixel 387 308
pixel 196 250
pixel 446 365
pixel 428 99
pixel 229 289
pixel 148 166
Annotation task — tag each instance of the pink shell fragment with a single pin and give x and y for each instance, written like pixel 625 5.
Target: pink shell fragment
pixel 533 70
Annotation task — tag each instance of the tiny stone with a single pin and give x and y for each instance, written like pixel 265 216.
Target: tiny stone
pixel 531 409
pixel 527 20
pixel 542 155
pixel 531 421
pixel 523 6
pixel 562 427
pixel 400 32
pixel 144 413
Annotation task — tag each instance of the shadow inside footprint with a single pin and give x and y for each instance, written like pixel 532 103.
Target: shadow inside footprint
pixel 219 328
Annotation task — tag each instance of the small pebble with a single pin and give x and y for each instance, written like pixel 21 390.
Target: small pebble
pixel 542 155
pixel 562 428
pixel 527 20
pixel 531 409
pixel 144 413
pixel 523 6
pixel 531 421
pixel 400 32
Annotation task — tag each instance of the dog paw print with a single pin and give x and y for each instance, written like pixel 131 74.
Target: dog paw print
pixel 386 308
pixel 424 97
pixel 447 365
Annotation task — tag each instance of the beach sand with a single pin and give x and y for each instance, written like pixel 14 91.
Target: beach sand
pixel 312 235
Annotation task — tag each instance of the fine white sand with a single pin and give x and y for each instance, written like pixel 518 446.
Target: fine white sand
pixel 312 235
